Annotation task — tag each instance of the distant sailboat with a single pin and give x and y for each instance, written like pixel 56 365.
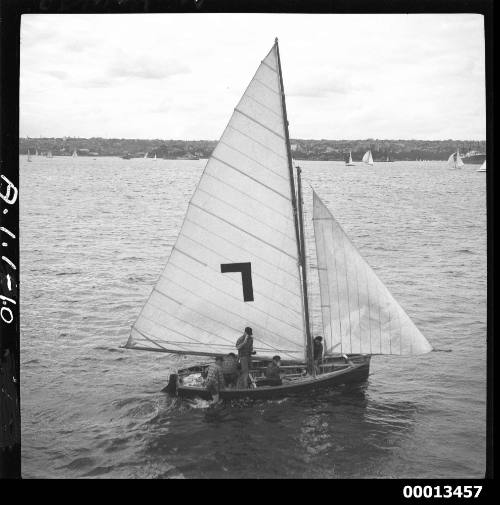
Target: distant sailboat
pixel 29 155
pixel 146 155
pixel 155 157
pixel 482 168
pixel 49 154
pixel 75 154
pixel 36 152
pixel 367 158
pixel 454 161
pixel 240 260
pixel 349 162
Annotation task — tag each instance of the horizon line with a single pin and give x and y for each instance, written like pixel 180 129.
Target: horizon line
pixel 291 138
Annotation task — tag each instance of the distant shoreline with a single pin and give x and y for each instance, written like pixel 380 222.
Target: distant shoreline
pixel 302 149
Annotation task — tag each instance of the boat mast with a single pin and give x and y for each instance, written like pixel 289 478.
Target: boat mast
pixel 309 346
pixel 300 248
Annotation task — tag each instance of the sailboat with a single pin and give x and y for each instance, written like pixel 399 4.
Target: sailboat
pixel 75 154
pixel 240 260
pixel 482 168
pixel 454 161
pixel 49 154
pixel 29 155
pixel 155 157
pixel 349 162
pixel 146 155
pixel 367 158
pixel 36 152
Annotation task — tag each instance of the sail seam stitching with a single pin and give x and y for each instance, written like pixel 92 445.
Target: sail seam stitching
pixel 253 274
pixel 252 198
pixel 244 213
pixel 189 256
pixel 269 66
pixel 254 140
pixel 266 86
pixel 242 230
pixel 230 296
pixel 186 322
pixel 233 297
pixel 265 330
pixel 262 125
pixel 250 157
pixel 150 339
pixel 272 265
pixel 250 177
pixel 263 105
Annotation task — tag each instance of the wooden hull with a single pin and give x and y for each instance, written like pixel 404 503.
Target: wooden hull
pixel 355 373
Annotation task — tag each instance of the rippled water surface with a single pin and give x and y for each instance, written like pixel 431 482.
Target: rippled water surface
pixel 95 235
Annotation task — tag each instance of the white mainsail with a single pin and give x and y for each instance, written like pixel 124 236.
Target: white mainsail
pixel 75 154
pixel 359 314
pixel 482 168
pixel 239 217
pixel 146 155
pixel 455 161
pixel 367 158
pixel 349 162
pixel 29 155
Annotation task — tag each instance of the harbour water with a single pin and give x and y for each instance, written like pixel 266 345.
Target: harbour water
pixel 94 237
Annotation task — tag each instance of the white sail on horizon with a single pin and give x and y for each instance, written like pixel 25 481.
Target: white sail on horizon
pixel 455 161
pixel 240 216
pixel 482 168
pixel 358 312
pixel 367 158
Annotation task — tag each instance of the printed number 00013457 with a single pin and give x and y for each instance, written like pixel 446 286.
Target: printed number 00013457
pixel 441 491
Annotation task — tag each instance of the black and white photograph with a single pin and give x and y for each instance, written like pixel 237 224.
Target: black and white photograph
pixel 251 246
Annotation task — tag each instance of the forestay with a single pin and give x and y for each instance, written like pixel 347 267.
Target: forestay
pixel 235 262
pixel 359 314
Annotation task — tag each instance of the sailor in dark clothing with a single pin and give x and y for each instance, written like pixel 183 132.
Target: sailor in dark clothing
pixel 230 369
pixel 245 350
pixel 215 379
pixel 272 373
pixel 317 353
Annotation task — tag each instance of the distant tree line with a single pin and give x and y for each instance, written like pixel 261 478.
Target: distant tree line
pixel 334 150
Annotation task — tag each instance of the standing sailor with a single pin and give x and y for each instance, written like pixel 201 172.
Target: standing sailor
pixel 230 369
pixel 215 379
pixel 245 350
pixel 318 353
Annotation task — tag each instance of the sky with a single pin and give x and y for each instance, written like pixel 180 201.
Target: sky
pixel 179 76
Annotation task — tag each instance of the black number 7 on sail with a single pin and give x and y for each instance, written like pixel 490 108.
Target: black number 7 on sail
pixel 246 277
